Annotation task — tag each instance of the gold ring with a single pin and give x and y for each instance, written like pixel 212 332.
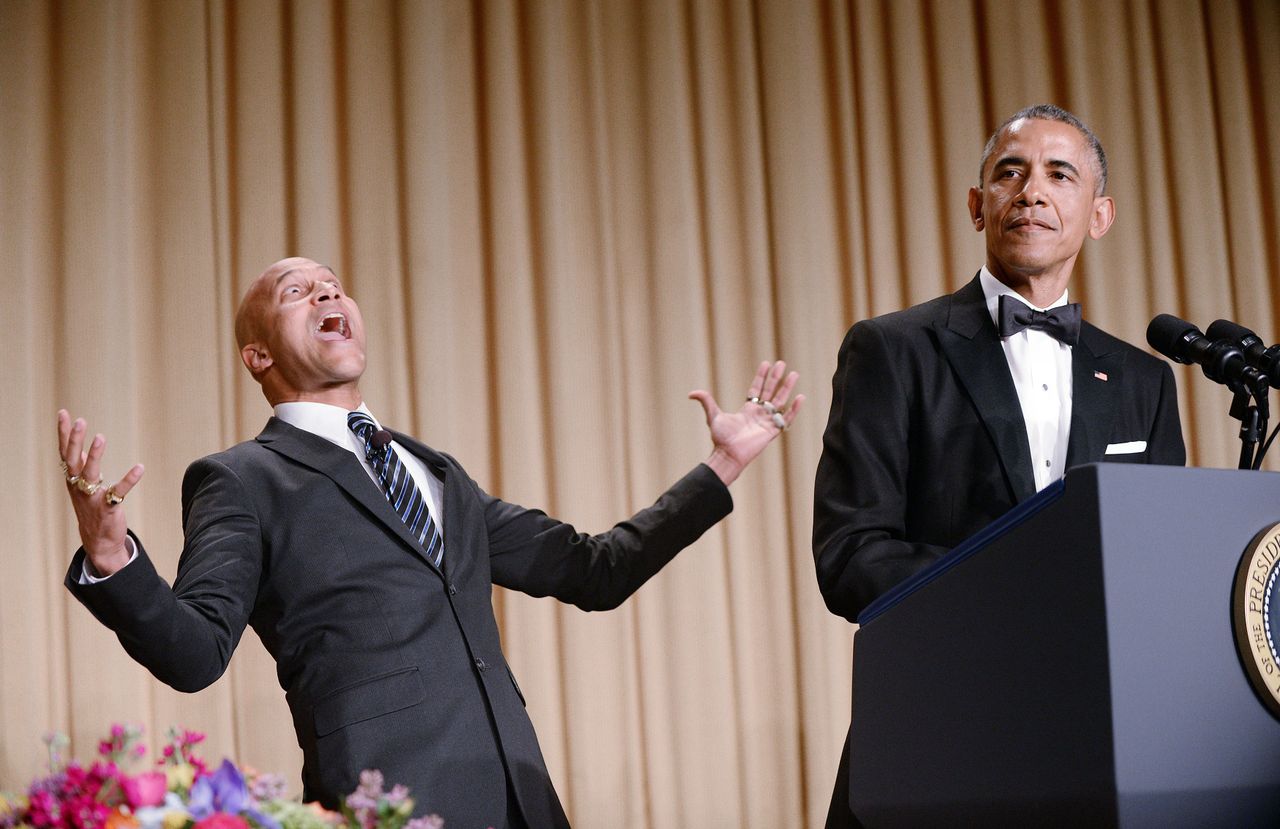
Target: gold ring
pixel 73 480
pixel 88 488
pixel 63 464
pixel 112 498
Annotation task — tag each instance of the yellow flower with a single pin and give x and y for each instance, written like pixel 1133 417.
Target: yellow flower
pixel 180 777
pixel 176 819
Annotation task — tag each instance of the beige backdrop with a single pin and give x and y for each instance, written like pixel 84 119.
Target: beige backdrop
pixel 558 218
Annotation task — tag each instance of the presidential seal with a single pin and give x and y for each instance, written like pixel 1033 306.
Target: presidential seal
pixel 1255 615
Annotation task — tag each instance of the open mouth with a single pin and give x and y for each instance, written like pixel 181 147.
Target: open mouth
pixel 333 327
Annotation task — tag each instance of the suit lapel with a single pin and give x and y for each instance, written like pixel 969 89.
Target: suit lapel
pixel 342 468
pixel 969 341
pixel 1096 379
pixel 463 527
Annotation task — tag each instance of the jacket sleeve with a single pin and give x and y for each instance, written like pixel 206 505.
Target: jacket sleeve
pixel 185 634
pixel 861 489
pixel 538 555
pixel 1166 444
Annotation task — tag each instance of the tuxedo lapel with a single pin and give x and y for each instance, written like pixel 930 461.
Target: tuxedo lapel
pixel 342 468
pixel 971 345
pixel 1096 379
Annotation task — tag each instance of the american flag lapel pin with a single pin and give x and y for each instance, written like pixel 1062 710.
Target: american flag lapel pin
pixel 1100 375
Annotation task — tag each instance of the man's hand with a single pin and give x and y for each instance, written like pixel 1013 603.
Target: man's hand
pixel 98 507
pixel 740 436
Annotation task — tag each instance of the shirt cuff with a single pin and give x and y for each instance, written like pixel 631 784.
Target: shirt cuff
pixel 87 577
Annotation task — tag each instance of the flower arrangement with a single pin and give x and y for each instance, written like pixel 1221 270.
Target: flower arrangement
pixel 183 793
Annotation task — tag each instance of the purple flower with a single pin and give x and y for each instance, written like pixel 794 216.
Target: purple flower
pixel 267 787
pixel 358 801
pixel 225 791
pixel 371 781
pixel 427 822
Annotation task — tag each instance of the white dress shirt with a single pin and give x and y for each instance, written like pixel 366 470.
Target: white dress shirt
pixel 330 423
pixel 1041 369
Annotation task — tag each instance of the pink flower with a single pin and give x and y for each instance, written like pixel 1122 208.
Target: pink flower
pixel 84 812
pixel 43 810
pixel 146 789
pixel 222 820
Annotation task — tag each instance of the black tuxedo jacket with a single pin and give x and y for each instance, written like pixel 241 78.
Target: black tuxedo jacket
pixel 387 661
pixel 926 444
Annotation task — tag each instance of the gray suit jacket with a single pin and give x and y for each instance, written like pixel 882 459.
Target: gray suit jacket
pixel 387 661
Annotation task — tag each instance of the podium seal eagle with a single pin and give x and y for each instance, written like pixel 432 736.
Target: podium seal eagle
pixel 1255 615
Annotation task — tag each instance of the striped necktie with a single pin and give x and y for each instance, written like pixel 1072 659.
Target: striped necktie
pixel 402 493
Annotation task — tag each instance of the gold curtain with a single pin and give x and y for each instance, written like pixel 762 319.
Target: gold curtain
pixel 558 218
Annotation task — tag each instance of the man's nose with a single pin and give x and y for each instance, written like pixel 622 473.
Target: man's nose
pixel 1032 191
pixel 326 290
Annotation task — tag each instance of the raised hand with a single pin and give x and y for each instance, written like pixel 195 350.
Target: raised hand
pixel 98 507
pixel 742 435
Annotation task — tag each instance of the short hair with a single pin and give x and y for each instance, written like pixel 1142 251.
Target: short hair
pixel 1049 112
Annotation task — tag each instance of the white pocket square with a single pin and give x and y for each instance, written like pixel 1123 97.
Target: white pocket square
pixel 1127 448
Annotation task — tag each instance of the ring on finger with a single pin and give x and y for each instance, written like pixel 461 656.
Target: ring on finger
pixel 112 498
pixel 73 480
pixel 770 408
pixel 88 488
pixel 752 398
pixel 778 420
pixel 65 468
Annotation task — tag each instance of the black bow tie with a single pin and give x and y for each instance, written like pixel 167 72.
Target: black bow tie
pixel 1061 323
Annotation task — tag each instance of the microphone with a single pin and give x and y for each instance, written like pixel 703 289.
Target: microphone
pixel 380 444
pixel 1221 361
pixel 1256 354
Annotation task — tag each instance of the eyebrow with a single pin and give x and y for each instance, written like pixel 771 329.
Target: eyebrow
pixel 283 274
pixel 1019 161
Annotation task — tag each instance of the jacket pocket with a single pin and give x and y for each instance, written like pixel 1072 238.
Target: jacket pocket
pixel 369 698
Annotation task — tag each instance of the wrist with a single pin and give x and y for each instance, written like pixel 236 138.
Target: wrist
pixel 726 468
pixel 106 563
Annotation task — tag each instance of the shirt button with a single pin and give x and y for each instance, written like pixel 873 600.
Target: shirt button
pixel 1046 462
pixel 1045 386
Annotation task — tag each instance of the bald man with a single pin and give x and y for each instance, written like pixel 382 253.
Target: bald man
pixel 365 562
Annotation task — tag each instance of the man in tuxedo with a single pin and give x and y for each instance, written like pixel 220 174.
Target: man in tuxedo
pixel 365 562
pixel 947 414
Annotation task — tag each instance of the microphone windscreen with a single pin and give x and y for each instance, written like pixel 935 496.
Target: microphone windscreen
pixel 1165 334
pixel 1228 330
pixel 381 439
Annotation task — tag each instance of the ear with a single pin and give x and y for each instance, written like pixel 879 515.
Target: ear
pixel 256 358
pixel 975 208
pixel 1104 213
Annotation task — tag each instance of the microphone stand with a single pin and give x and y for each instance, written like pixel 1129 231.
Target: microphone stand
pixel 1253 418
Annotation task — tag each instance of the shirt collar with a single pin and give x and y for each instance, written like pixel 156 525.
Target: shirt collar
pixel 993 288
pixel 322 420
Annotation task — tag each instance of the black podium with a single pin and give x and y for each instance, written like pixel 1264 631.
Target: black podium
pixel 1074 665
